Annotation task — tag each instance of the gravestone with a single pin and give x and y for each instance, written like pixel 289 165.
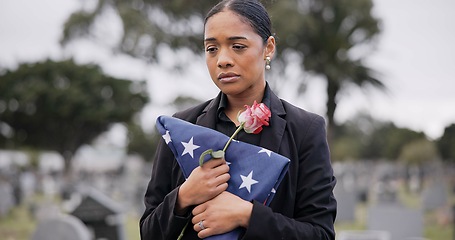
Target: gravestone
pixel 346 192
pixel 346 203
pixel 385 191
pixel 363 235
pixel 400 222
pixel 434 196
pixel 101 215
pixel 27 181
pixel 46 210
pixel 63 227
pixel 6 198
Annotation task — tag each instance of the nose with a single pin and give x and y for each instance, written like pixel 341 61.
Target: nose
pixel 224 59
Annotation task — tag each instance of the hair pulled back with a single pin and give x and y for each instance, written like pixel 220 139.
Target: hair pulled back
pixel 251 10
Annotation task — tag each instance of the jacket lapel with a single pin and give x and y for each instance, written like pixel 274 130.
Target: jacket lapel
pixel 273 134
pixel 208 115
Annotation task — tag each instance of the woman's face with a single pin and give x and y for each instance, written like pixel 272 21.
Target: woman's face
pixel 235 55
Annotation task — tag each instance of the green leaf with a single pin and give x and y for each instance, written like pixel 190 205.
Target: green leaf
pixel 201 158
pixel 218 154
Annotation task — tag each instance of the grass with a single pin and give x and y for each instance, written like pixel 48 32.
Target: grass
pixel 132 227
pixel 434 229
pixel 19 224
pixel 438 224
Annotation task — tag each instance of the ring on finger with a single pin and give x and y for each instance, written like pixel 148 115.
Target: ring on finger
pixel 201 225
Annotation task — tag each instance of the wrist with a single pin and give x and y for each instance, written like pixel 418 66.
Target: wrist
pixel 247 209
pixel 181 206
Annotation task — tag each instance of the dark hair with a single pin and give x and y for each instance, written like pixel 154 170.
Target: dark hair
pixel 251 10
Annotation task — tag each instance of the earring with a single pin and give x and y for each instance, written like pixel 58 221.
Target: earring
pixel 267 63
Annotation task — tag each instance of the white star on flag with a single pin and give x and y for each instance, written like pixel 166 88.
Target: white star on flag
pixel 167 137
pixel 189 147
pixel 266 151
pixel 247 181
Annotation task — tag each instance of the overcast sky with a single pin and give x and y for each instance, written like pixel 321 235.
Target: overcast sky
pixel 415 55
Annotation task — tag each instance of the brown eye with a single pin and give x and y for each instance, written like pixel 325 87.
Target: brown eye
pixel 211 49
pixel 238 47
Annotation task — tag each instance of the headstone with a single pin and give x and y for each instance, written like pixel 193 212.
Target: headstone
pixel 6 198
pixel 385 191
pixel 363 235
pixel 63 227
pixel 346 203
pixel 346 192
pixel 101 215
pixel 383 185
pixel 434 196
pixel 414 177
pixel 400 222
pixel 49 186
pixel 46 210
pixel 28 184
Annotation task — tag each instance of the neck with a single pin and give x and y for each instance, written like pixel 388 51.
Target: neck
pixel 237 104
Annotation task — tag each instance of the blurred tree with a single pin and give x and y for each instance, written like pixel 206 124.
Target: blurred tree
pixel 330 35
pixel 145 24
pixel 387 141
pixel 349 139
pixel 363 137
pixel 184 102
pixel 446 144
pixel 61 105
pixel 346 148
pixel 142 143
pixel 418 152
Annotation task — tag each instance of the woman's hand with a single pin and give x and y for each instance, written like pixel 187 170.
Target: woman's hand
pixel 222 214
pixel 204 183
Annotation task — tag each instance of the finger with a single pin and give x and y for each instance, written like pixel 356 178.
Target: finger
pixel 214 162
pixel 223 177
pixel 196 227
pixel 222 187
pixel 198 210
pixel 223 168
pixel 220 170
pixel 200 226
pixel 204 233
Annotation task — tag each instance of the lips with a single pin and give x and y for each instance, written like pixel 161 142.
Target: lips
pixel 227 77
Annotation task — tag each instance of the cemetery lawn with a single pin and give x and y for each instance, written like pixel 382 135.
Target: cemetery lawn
pixel 132 227
pixel 432 229
pixel 437 223
pixel 18 224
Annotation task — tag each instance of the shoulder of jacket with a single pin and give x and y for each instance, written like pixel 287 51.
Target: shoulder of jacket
pixel 298 118
pixel 191 114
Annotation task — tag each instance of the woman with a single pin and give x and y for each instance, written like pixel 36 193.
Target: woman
pixel 239 46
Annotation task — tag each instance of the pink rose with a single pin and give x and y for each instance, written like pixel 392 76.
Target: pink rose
pixel 254 117
pixel 251 120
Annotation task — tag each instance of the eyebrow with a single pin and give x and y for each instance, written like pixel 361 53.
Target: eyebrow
pixel 229 38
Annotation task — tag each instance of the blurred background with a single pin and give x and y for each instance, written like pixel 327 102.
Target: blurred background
pixel 82 82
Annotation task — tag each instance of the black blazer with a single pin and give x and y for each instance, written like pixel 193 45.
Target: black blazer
pixel 304 206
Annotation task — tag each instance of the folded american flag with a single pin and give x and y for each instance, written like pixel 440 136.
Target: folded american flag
pixel 255 171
